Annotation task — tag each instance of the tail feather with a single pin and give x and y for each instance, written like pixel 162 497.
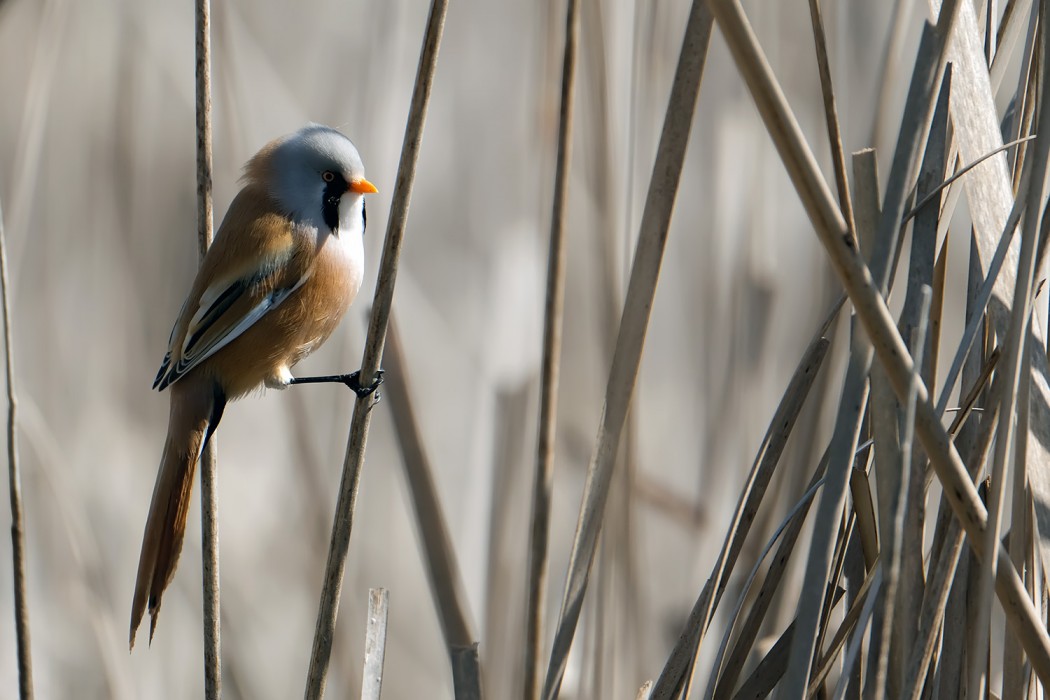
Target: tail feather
pixel 196 407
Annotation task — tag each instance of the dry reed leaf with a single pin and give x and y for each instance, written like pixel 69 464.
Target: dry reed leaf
pixel 770 669
pixel 836 645
pixel 914 127
pixel 727 669
pixel 871 308
pixel 766 460
pixel 900 473
pixel 864 513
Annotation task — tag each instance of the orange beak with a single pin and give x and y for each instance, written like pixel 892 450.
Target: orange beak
pixel 362 186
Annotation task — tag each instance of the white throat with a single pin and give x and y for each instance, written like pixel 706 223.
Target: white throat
pixel 351 215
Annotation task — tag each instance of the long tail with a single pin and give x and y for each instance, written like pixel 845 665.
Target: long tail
pixel 196 407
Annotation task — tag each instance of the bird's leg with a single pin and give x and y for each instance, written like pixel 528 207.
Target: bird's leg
pixel 351 380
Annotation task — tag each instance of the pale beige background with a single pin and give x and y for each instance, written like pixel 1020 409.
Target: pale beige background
pixel 97 187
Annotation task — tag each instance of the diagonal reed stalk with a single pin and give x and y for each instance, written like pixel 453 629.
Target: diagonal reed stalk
pixel 539 530
pixel 871 308
pixel 328 608
pixel 442 570
pixel 209 485
pixel 14 484
pixel 645 271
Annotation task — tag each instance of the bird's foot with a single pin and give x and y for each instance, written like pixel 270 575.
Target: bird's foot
pixel 352 380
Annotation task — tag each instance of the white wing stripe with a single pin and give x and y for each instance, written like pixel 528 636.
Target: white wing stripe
pixel 258 311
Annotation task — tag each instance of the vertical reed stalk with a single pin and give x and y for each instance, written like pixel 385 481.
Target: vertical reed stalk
pixel 209 484
pixel 14 475
pixel 539 531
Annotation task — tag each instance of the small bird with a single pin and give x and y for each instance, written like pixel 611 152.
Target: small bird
pixel 285 265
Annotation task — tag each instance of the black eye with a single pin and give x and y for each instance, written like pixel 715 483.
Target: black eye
pixel 328 176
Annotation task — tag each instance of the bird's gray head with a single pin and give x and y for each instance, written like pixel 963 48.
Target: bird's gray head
pixel 316 175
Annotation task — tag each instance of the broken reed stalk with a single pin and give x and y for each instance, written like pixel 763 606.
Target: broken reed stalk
pixel 209 486
pixel 879 324
pixel 850 619
pixel 442 570
pixel 645 271
pixel 14 485
pixel 375 643
pixel 328 608
pixel 543 479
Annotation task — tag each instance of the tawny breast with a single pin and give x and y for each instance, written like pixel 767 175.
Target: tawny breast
pixel 297 327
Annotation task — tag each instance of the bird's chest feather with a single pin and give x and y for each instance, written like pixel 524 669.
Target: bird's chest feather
pixel 334 280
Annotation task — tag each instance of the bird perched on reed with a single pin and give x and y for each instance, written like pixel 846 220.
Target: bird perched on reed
pixel 286 263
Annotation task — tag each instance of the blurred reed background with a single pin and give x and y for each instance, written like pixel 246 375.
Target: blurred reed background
pixel 97 185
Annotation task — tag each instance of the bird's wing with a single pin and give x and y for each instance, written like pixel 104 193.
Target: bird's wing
pixel 261 271
pixel 232 311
